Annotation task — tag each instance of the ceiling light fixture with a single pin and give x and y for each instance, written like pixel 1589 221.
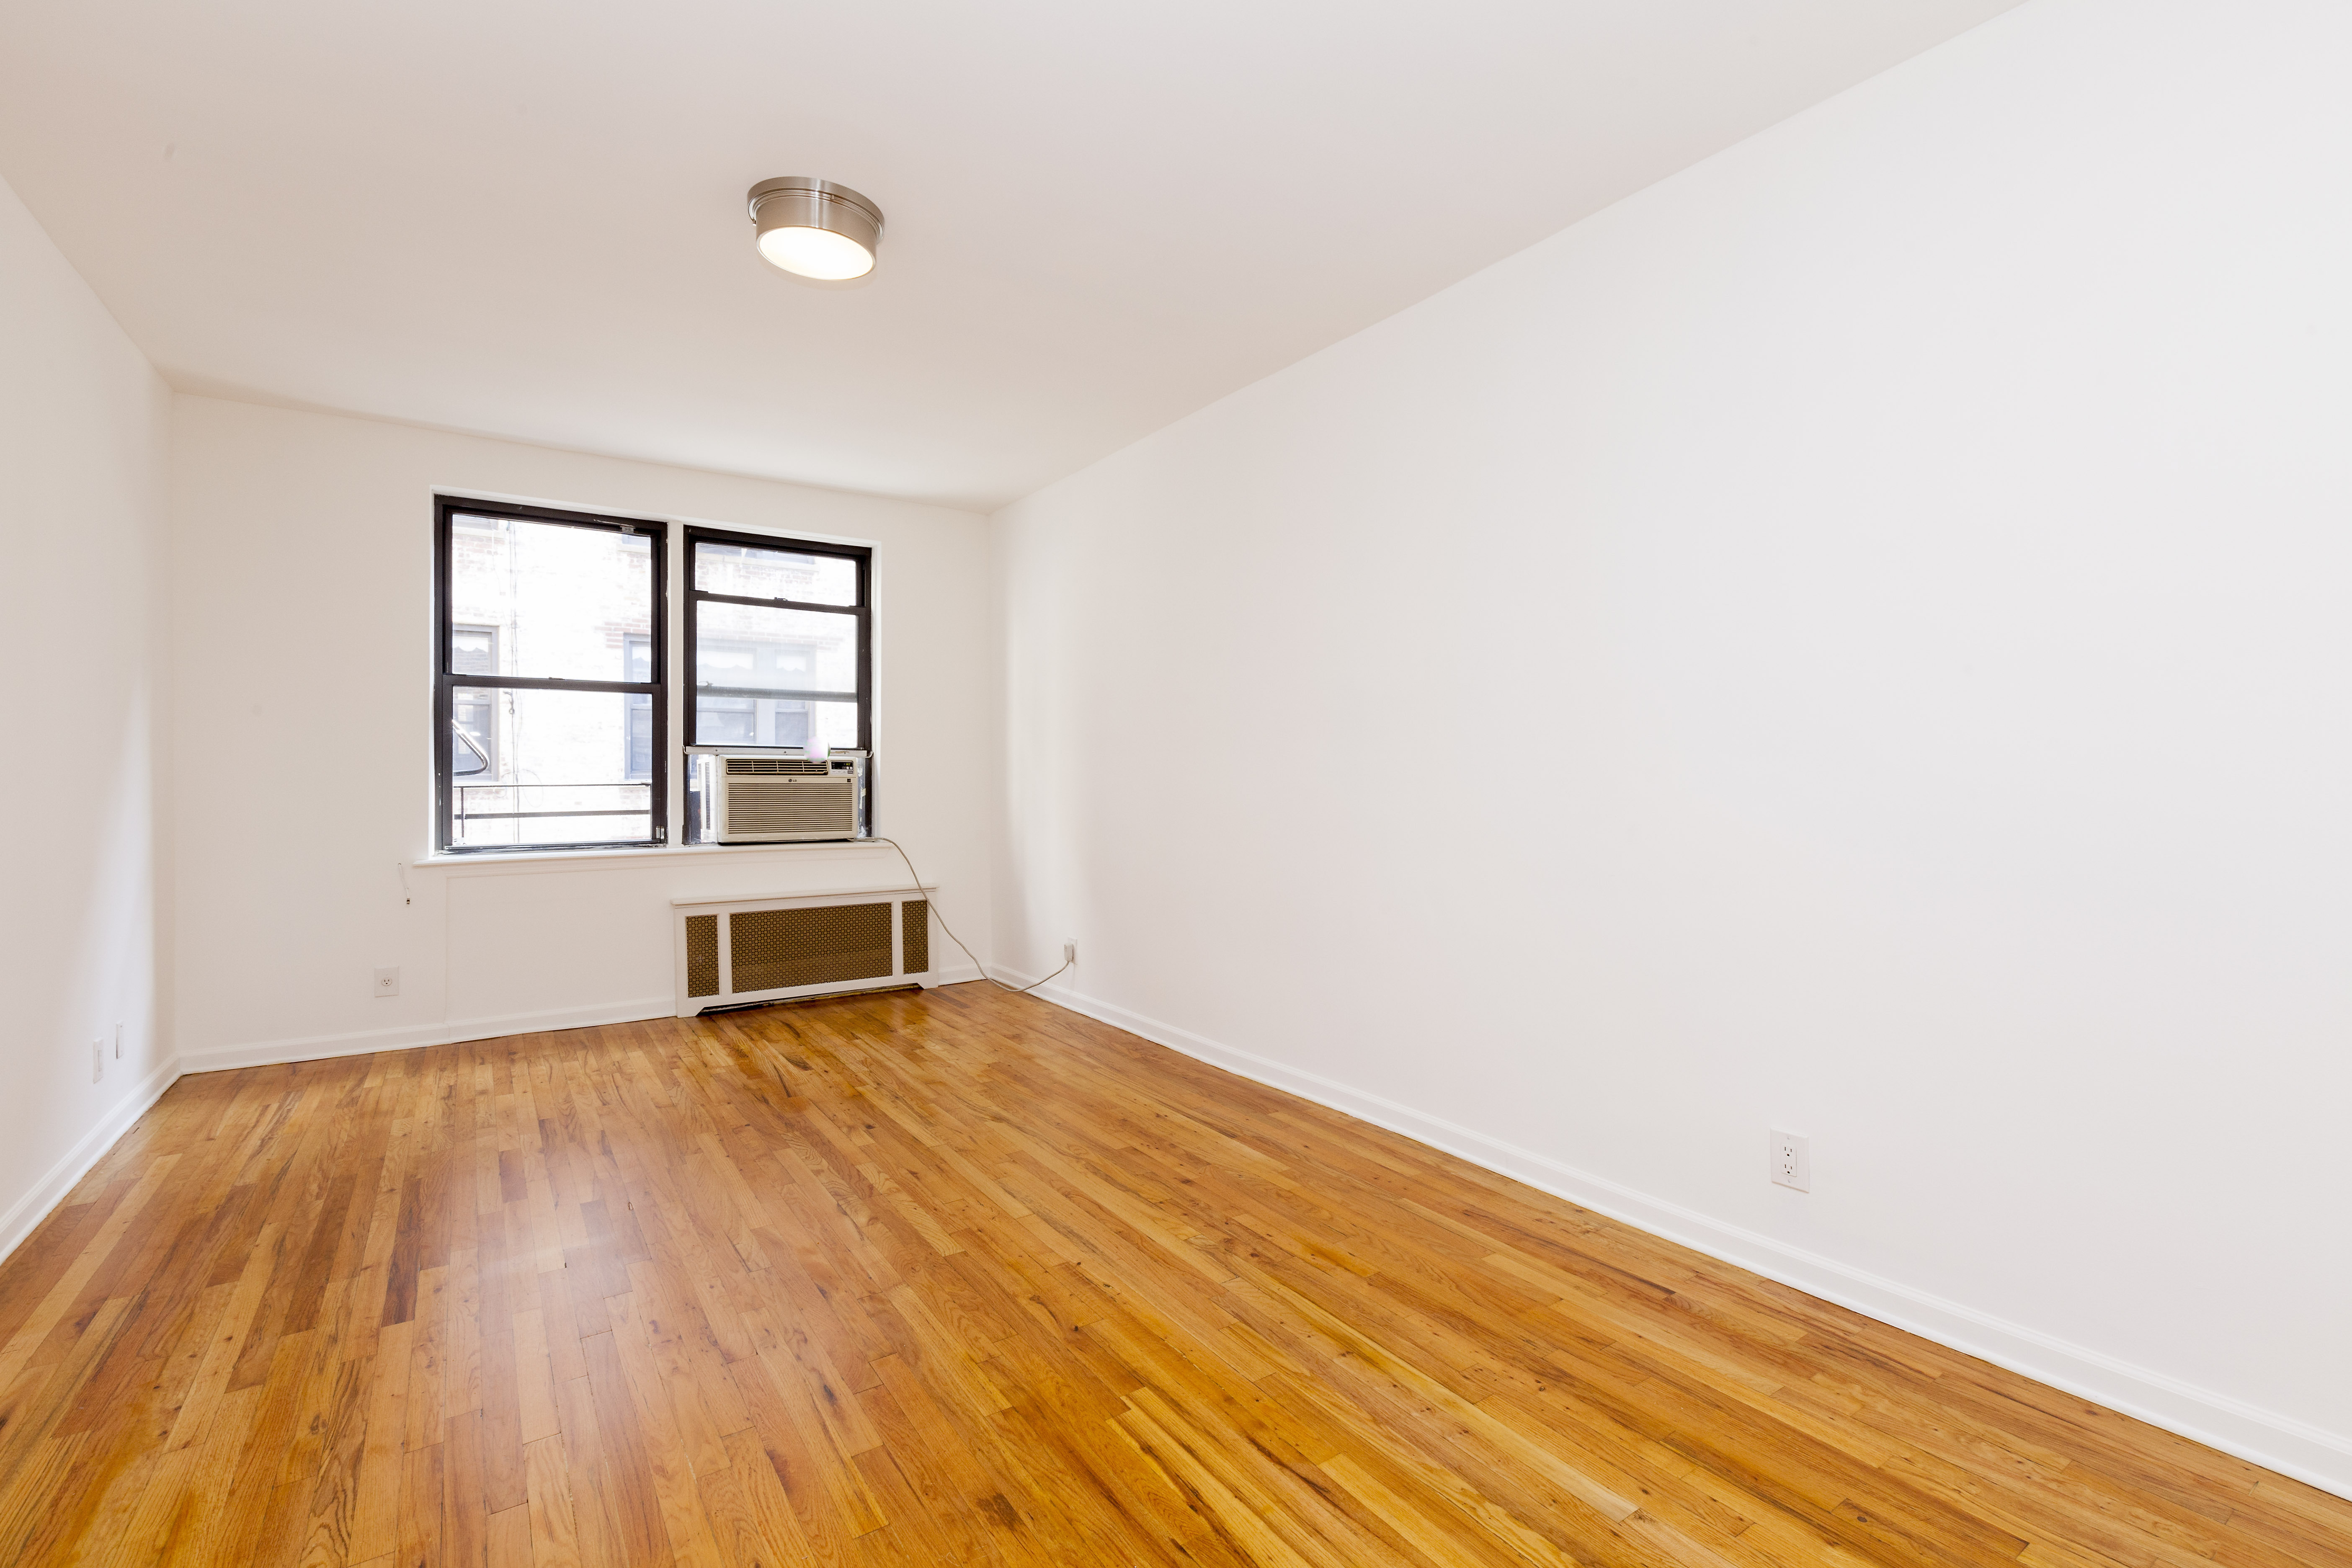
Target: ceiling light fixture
pixel 814 228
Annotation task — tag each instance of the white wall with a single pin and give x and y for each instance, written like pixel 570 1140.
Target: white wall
pixel 303 716
pixel 1856 639
pixel 82 448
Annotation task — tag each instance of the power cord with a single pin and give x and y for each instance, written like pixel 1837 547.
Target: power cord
pixel 984 975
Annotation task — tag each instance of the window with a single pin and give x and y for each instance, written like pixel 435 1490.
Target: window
pixel 550 700
pixel 473 651
pixel 778 631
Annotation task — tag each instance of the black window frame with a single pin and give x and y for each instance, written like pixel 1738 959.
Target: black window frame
pixel 446 510
pixel 863 610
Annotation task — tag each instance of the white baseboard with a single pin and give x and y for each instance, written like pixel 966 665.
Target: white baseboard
pixel 2275 1442
pixel 30 1211
pixel 408 1036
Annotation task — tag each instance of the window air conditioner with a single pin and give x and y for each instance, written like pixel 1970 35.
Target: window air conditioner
pixel 779 797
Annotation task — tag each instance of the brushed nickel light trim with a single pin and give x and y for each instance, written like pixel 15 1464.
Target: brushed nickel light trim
pixel 814 228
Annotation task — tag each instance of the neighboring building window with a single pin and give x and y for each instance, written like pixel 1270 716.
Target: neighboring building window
pixel 637 658
pixel 779 636
pixel 473 651
pixel 549 702
pixel 726 721
pixel 473 716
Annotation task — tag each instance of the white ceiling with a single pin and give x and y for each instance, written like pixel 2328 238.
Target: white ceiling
pixel 525 217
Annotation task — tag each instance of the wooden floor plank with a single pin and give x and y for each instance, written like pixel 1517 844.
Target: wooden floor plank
pixel 959 1277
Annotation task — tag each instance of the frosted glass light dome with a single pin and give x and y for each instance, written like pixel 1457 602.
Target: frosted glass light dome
pixel 816 253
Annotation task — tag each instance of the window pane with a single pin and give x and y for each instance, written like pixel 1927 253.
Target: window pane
pixel 490 816
pixel 753 648
pixel 544 599
pixel 773 721
pixel 834 723
pixel 558 768
pixel 749 573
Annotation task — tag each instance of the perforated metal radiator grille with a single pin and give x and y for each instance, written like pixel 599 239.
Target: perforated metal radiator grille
pixel 916 935
pixel 775 948
pixel 702 955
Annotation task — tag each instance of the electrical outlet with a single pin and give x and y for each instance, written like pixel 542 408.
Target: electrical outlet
pixel 1070 950
pixel 1792 1162
pixel 387 982
pixel 97 1061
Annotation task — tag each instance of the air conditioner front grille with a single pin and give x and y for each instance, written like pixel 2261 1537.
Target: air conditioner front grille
pixel 773 767
pixel 788 807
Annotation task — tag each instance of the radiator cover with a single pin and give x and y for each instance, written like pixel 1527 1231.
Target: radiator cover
pixel 735 951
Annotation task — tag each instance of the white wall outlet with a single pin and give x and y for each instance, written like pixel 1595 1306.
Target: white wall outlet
pixel 387 982
pixel 97 1061
pixel 1069 949
pixel 1792 1162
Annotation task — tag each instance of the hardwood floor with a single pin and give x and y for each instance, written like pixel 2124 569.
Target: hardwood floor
pixel 961 1278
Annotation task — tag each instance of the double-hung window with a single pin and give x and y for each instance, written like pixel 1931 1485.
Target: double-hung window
pixel 778 632
pixel 549 697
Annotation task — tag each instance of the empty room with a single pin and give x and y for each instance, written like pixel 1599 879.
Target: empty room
pixel 1283 785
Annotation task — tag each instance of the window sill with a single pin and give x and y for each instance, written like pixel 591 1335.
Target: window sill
pixel 493 858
